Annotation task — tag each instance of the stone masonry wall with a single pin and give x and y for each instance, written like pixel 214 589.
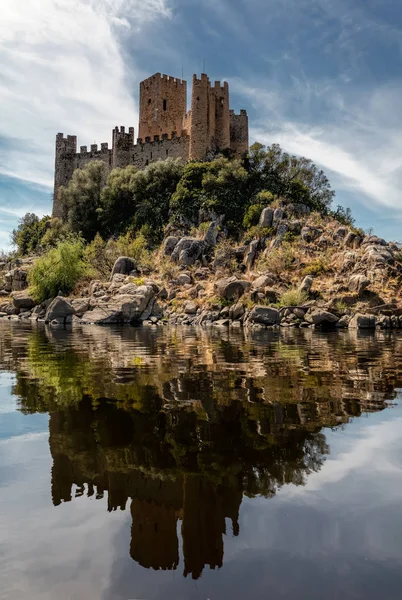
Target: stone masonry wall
pixel 165 130
pixel 163 104
pixel 239 133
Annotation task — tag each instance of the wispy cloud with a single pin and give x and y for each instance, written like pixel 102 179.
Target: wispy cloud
pixel 63 70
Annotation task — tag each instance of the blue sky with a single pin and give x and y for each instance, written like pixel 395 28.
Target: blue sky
pixel 321 77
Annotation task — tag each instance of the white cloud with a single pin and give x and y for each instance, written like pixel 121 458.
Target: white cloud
pixel 358 141
pixel 63 70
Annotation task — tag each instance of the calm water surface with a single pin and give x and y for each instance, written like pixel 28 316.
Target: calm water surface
pixel 178 464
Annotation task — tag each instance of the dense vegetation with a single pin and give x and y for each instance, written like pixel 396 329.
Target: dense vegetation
pixel 130 200
pixel 128 211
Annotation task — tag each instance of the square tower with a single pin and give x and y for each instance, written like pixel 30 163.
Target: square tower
pixel 163 104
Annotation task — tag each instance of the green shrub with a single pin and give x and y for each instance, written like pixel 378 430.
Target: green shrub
pixel 293 298
pixel 100 257
pixel 58 270
pixel 252 215
pixel 258 232
pixel 317 267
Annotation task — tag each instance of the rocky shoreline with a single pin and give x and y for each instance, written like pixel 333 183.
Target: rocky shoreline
pixel 345 280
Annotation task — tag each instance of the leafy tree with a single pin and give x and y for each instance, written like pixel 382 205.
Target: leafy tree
pixel 118 201
pixel 189 194
pixel 82 199
pixel 295 178
pixel 29 233
pixel 225 189
pixel 152 190
pixel 58 270
pixel 343 215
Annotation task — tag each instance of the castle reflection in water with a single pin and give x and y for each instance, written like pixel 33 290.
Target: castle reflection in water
pixel 177 425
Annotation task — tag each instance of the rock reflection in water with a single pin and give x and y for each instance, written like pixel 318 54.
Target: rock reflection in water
pixel 178 424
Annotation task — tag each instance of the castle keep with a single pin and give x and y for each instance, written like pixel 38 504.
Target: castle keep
pixel 166 129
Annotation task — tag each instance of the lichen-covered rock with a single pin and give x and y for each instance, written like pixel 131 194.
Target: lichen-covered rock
pixel 124 265
pixel 169 245
pixel 373 240
pixel 362 321
pixel 190 308
pixel 341 233
pixel 306 284
pixel 237 311
pixel 187 251
pixel 358 283
pixel 278 216
pixel 251 254
pixel 23 301
pixel 282 230
pixel 261 282
pixel 298 210
pixel 266 217
pixel 16 280
pixel 319 317
pixel 343 322
pixel 130 307
pixel 59 309
pixel 212 234
pixel 377 255
pixel 184 279
pixel 231 287
pixel 264 315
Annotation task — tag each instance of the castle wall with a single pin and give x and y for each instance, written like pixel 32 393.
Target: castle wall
pixel 66 148
pixel 163 104
pixel 239 133
pixel 146 152
pixel 166 130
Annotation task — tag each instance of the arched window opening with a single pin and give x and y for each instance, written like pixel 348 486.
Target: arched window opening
pixel 165 104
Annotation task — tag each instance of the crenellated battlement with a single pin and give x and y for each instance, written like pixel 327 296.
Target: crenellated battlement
pixel 166 129
pixel 165 79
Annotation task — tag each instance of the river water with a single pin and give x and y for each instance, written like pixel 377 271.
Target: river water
pixel 181 464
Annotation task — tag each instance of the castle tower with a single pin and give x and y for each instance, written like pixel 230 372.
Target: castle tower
pixel 66 148
pixel 122 146
pixel 239 132
pixel 220 106
pixel 200 132
pixel 163 104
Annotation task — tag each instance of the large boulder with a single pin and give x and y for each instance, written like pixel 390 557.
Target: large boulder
pixel 251 254
pixel 16 280
pixel 261 282
pixel 306 284
pixel 282 230
pixel 264 315
pixel 131 307
pixel 212 234
pixel 377 255
pixel 23 301
pixel 362 321
pixel 124 265
pixel 266 217
pixel 373 240
pixel 278 215
pixel 358 283
pixel 59 309
pixel 231 287
pixel 169 245
pixel 298 210
pixel 187 251
pixel 321 318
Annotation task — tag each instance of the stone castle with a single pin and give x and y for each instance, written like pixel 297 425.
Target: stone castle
pixel 166 129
